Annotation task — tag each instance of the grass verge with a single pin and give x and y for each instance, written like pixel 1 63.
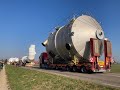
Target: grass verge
pixel 115 68
pixel 23 79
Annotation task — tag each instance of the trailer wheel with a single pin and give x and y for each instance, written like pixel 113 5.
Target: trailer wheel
pixel 40 66
pixel 68 68
pixel 90 71
pixel 56 67
pixel 83 69
pixel 74 68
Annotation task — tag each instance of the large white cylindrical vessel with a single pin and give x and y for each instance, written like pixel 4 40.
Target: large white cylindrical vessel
pixel 13 60
pixel 25 59
pixel 73 39
pixel 32 52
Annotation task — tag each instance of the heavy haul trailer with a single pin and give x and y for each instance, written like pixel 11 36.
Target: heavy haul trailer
pixel 94 65
pixel 77 46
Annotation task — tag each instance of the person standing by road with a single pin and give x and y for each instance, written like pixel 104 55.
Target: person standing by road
pixel 1 65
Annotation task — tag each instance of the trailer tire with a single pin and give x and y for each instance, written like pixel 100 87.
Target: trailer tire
pixel 74 68
pixel 83 69
pixel 68 68
pixel 40 66
pixel 90 71
pixel 56 67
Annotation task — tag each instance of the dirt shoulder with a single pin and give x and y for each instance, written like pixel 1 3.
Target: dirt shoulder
pixel 3 80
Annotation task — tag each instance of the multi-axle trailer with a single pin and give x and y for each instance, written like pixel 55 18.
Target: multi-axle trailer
pixel 93 65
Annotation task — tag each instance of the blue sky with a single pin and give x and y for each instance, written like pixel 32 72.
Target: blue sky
pixel 25 22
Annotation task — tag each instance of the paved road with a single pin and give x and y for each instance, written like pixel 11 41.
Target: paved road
pixel 110 79
pixel 3 80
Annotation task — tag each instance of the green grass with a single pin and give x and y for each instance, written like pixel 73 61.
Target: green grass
pixel 23 79
pixel 115 68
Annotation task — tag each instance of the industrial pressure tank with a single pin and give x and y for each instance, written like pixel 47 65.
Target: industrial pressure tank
pixel 73 39
pixel 32 52
pixel 13 60
pixel 25 59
